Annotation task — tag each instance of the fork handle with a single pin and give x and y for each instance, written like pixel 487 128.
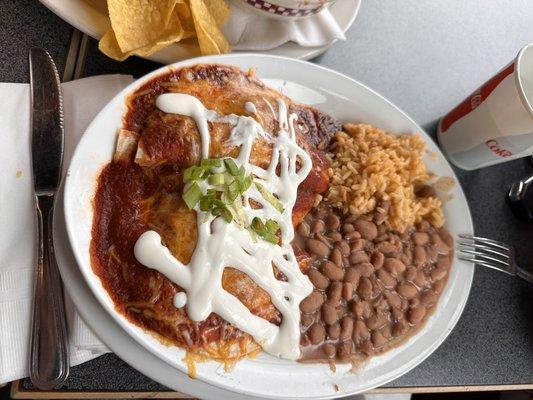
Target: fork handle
pixel 49 355
pixel 528 276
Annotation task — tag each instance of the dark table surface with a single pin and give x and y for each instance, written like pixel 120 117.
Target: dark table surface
pixel 425 56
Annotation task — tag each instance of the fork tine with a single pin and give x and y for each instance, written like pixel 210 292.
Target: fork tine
pixel 485 257
pixel 482 247
pixel 485 241
pixel 485 264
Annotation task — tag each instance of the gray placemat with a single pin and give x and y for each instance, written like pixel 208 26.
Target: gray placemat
pixel 24 24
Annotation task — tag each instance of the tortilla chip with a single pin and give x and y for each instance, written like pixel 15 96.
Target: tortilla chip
pixel 144 24
pixel 109 46
pixel 210 38
pixel 183 12
pixel 219 10
pixel 142 27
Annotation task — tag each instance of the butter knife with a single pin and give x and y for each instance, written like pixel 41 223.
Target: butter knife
pixel 49 355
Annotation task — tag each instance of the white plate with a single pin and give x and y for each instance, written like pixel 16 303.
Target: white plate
pixel 267 376
pixel 95 23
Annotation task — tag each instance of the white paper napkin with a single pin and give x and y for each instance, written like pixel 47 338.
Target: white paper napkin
pixel 249 30
pixel 82 101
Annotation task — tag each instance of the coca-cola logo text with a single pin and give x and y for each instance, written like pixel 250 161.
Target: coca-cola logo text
pixel 476 100
pixel 494 146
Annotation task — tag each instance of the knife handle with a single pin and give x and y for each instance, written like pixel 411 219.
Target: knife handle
pixel 49 353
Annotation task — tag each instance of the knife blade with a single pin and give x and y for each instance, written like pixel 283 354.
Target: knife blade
pixel 49 355
pixel 46 122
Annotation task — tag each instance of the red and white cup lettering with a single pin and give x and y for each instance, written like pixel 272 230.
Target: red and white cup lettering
pixel 495 123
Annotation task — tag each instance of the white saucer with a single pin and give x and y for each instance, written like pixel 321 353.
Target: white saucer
pixel 265 376
pixel 94 22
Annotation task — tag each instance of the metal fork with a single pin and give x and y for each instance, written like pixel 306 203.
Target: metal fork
pixel 491 254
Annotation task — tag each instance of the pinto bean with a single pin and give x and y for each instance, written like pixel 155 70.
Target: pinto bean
pixel 446 237
pixel 377 259
pixel 365 288
pixel 420 238
pixel 362 309
pixel 398 328
pixel 384 205
pixel 381 304
pixel 419 256
pixel 318 279
pixel 336 257
pixel 386 331
pixel 335 293
pixel 439 285
pixel 376 321
pixel 318 226
pixel 343 247
pixel 366 347
pixel 357 245
pixel 365 268
pixel 359 257
pixel 317 248
pixel 317 333
pixel 344 350
pixel 332 222
pixel 378 340
pixel 360 332
pixel 410 273
pixel 398 314
pixel 331 270
pixel 421 279
pixel 367 229
pixel 312 302
pixel 334 331
pixel 324 240
pixel 444 262
pixel 416 314
pixel 438 273
pixel 347 291
pixel 329 314
pixel 335 236
pixel 393 265
pixel 346 328
pixel 329 350
pixel 387 248
pixel 380 217
pixel 321 212
pixel 352 236
pixel 386 278
pixel 393 299
pixel 304 229
pixel 432 253
pixel 347 228
pixel 352 275
pixel 442 248
pixel 428 298
pixel 407 290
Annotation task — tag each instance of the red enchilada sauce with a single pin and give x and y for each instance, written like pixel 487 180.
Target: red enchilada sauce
pixel 141 294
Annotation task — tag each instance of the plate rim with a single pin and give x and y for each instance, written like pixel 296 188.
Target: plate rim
pixel 250 56
pixel 92 24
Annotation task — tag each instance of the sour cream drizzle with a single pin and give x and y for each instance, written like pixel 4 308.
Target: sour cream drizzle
pixel 223 245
